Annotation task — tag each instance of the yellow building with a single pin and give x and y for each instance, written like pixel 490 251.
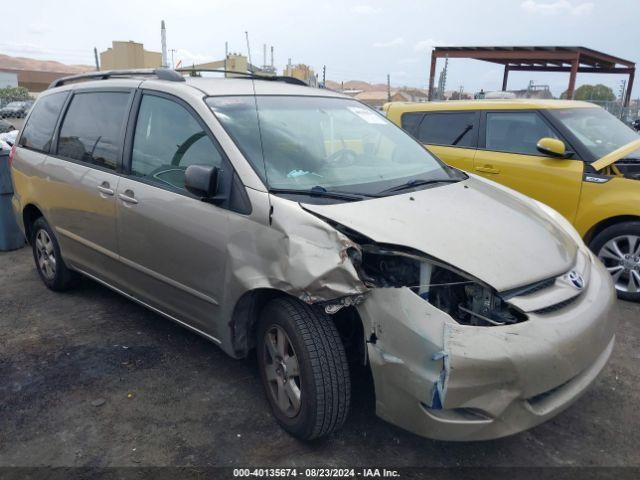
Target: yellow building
pixel 129 54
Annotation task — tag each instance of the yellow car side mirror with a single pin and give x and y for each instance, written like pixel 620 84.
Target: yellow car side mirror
pixel 552 146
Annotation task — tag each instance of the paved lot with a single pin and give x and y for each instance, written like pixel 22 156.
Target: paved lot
pixel 89 378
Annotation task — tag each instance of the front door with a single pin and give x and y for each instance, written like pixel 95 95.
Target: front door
pixel 172 245
pixel 507 154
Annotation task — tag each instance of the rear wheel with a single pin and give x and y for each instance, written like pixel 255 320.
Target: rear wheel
pixel 49 263
pixel 304 368
pixel 618 247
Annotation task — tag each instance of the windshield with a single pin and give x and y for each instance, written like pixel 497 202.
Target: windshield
pixel 300 143
pixel 599 131
pixel 15 104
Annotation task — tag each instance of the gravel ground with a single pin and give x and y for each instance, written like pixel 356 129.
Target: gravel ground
pixel 88 378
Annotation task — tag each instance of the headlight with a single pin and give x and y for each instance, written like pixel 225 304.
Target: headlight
pixel 466 299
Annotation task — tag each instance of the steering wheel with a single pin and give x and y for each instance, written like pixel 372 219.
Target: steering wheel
pixel 344 156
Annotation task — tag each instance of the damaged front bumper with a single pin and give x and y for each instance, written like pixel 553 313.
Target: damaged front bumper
pixel 448 381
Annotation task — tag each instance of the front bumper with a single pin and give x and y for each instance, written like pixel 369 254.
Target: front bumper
pixel 447 381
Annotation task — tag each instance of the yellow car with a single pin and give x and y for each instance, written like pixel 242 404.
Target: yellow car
pixel 573 156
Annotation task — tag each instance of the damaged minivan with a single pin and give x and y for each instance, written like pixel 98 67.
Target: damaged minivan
pixel 301 225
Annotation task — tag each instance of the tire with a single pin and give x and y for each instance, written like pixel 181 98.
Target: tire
pixel 618 247
pixel 324 386
pixel 49 263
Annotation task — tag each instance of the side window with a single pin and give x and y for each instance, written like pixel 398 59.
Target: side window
pixel 456 129
pixel 410 121
pixel 38 131
pixel 93 127
pixel 167 140
pixel 516 132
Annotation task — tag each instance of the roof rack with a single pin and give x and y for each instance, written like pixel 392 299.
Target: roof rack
pixel 161 73
pixel 250 75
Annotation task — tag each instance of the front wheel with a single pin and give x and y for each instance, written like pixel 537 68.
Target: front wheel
pixel 618 247
pixel 303 368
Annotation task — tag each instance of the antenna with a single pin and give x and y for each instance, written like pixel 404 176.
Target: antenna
pixel 246 34
pixel 163 39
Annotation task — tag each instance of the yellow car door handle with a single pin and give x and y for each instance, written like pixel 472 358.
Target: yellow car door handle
pixel 487 169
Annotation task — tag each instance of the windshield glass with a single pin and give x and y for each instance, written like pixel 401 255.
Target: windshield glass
pixel 599 131
pixel 302 142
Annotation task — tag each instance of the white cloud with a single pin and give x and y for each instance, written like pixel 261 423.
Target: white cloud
pixel 391 43
pixel 365 10
pixel 408 61
pixel 38 28
pixel 426 45
pixel 557 8
pixel 190 58
pixel 23 48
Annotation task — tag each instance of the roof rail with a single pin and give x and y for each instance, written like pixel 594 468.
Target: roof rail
pixel 250 75
pixel 161 73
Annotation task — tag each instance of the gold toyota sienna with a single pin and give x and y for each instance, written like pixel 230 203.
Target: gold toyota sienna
pixel 301 225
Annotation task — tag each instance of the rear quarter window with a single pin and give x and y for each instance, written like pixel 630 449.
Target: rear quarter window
pixel 38 131
pixel 457 129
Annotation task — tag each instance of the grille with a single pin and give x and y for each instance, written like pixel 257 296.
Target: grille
pixel 556 307
pixel 529 289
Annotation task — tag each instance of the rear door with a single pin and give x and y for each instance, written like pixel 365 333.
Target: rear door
pixel 507 154
pixel 452 136
pixel 172 245
pixel 83 178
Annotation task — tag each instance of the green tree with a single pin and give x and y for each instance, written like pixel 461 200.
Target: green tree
pixel 597 92
pixel 13 94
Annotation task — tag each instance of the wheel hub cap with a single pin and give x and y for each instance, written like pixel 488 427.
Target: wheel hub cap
pixel 282 371
pixel 621 257
pixel 45 254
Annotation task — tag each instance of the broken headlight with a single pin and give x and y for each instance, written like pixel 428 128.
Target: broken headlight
pixel 467 300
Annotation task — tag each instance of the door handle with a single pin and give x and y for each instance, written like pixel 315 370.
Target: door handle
pixel 127 197
pixel 487 169
pixel 105 188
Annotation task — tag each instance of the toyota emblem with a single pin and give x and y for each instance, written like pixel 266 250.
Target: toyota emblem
pixel 576 279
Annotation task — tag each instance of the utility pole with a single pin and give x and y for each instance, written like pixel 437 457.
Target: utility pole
pixel 388 87
pixel 623 91
pixel 246 34
pixel 95 56
pixel 163 39
pixel 226 54
pixel 173 63
pixel 324 76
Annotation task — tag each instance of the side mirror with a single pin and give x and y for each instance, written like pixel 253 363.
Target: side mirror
pixel 553 147
pixel 203 181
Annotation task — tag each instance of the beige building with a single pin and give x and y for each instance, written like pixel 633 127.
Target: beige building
pixel 301 72
pixel 235 63
pixel 129 54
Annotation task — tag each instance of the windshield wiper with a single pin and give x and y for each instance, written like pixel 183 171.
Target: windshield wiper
pixel 464 132
pixel 319 191
pixel 416 182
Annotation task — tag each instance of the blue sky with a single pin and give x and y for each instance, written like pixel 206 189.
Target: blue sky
pixel 355 39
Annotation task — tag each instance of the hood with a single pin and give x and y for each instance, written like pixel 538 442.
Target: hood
pixel 616 155
pixel 499 237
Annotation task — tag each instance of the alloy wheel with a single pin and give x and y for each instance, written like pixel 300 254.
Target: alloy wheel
pixel 46 254
pixel 621 257
pixel 282 371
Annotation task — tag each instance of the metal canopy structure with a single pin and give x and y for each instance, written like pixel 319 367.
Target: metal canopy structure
pixel 541 59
